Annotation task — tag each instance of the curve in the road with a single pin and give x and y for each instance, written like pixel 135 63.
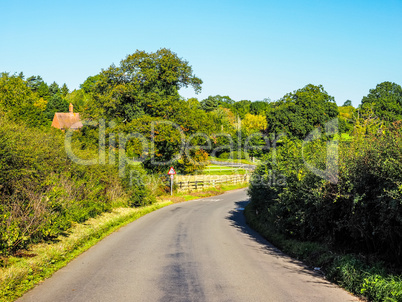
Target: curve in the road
pixel 195 251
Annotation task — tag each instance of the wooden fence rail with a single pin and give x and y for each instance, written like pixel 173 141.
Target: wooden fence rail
pixel 198 184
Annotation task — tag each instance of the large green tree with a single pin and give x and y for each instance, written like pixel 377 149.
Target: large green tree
pixel 143 83
pixel 56 104
pixel 385 100
pixel 213 102
pixel 210 103
pixel 37 85
pixel 299 112
pixel 260 107
pixel 241 108
pixel 20 102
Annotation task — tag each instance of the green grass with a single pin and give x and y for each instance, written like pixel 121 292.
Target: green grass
pixel 18 275
pixel 223 170
pixel 236 161
pixel 352 272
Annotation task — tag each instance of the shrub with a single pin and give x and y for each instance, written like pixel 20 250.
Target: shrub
pixel 362 212
pixel 42 192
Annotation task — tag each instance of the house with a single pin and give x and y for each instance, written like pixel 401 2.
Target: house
pixel 65 121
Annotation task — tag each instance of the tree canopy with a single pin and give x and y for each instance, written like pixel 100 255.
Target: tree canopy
pixel 385 100
pixel 297 113
pixel 143 83
pixel 347 103
pixel 20 102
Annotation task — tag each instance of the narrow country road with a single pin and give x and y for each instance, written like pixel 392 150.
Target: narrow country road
pixel 200 250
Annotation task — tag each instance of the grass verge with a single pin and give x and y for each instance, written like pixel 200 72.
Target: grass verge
pixel 352 272
pixel 19 274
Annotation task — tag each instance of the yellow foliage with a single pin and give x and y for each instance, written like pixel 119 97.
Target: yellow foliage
pixel 40 104
pixel 367 123
pixel 254 122
pixel 230 116
pixel 346 112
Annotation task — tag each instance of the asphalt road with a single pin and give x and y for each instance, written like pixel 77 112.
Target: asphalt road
pixel 194 251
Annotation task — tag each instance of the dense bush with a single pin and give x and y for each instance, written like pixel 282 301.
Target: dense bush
pixel 42 192
pixel 362 212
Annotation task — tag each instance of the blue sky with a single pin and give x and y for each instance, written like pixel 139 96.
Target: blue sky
pixel 244 49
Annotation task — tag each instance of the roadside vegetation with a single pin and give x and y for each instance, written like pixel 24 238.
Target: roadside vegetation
pixel 25 269
pixel 348 222
pixel 139 126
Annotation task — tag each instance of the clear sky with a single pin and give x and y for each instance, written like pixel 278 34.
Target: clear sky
pixel 245 49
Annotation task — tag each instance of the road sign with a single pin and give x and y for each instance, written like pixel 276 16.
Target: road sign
pixel 171 171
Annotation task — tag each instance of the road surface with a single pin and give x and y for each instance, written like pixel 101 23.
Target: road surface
pixel 199 250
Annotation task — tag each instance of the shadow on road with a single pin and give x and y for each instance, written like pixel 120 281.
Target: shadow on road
pixel 238 220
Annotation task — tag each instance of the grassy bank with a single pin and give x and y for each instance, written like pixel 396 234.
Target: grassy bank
pixel 353 272
pixel 40 261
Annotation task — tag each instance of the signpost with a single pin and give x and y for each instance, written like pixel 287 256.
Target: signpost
pixel 171 172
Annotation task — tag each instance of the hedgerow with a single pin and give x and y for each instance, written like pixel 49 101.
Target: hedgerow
pixel 42 192
pixel 360 213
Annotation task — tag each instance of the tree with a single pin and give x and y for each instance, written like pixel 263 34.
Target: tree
pixel 213 102
pixel 254 123
pixel 64 90
pixel 37 85
pixel 260 107
pixel 299 112
pixel 209 104
pixel 34 82
pixel 191 117
pixel 78 98
pixel 347 103
pixel 20 102
pixel 166 138
pixel 225 101
pixel 89 84
pixel 143 83
pixel 56 104
pixel 54 89
pixel 241 108
pixel 40 104
pixel 385 100
pixel 346 118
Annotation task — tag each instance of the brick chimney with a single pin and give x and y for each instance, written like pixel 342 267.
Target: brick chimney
pixel 71 108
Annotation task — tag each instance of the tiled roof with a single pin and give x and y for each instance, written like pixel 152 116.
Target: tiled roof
pixel 66 121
